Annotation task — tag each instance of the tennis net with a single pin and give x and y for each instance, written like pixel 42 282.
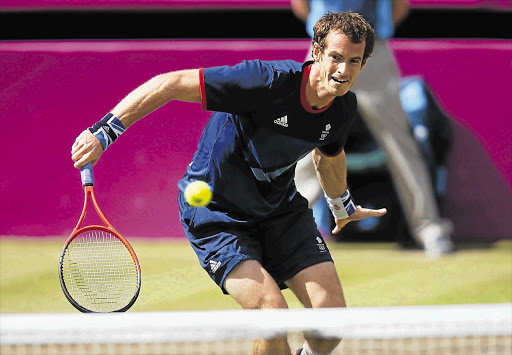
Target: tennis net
pixel 451 329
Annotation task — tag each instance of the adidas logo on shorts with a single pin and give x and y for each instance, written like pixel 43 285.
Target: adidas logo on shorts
pixel 214 265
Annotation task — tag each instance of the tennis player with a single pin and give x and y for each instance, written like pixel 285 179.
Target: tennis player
pixel 257 235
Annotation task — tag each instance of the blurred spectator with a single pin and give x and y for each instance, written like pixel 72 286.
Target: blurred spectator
pixel 378 94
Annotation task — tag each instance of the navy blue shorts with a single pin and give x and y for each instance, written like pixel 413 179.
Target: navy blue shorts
pixel 285 242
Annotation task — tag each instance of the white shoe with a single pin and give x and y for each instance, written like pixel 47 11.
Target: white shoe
pixel 436 239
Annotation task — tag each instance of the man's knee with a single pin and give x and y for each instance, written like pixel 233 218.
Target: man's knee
pixel 324 299
pixel 318 286
pixel 264 300
pixel 253 288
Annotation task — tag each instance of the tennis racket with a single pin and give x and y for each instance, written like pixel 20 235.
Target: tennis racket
pixel 98 269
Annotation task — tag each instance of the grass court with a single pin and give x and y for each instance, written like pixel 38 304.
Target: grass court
pixel 372 274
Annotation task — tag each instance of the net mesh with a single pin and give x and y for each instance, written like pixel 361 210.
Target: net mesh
pixel 99 272
pixel 455 329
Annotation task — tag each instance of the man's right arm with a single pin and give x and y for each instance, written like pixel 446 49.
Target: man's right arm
pixel 332 174
pixel 180 85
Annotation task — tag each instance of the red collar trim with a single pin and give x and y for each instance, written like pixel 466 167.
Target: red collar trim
pixel 303 99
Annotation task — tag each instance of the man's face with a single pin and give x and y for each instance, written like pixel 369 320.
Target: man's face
pixel 340 63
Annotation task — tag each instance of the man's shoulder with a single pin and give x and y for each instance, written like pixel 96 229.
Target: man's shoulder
pixel 286 64
pixel 279 65
pixel 348 102
pixel 349 98
pixel 275 74
pixel 267 68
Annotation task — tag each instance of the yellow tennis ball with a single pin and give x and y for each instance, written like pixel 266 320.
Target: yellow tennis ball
pixel 198 194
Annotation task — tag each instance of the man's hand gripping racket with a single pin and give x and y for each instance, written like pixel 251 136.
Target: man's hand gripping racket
pixel 98 269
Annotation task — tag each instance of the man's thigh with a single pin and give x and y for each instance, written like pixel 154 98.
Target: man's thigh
pixel 253 287
pixel 318 286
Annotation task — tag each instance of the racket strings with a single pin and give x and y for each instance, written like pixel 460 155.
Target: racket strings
pixel 99 271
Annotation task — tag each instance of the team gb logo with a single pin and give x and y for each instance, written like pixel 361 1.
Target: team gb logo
pixel 325 132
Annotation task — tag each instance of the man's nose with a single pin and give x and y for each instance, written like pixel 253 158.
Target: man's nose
pixel 342 68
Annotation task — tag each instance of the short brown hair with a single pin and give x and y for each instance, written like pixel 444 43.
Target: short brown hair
pixel 349 23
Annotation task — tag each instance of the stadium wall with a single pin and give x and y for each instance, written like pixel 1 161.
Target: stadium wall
pixel 51 90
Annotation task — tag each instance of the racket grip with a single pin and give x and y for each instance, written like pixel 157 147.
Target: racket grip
pixel 86 175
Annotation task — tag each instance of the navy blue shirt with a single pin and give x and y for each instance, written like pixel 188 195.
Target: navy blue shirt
pixel 261 126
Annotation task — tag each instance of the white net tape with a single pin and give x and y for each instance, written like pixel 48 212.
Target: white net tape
pixel 426 322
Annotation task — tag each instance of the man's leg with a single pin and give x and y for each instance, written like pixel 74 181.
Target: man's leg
pixel 253 288
pixel 318 286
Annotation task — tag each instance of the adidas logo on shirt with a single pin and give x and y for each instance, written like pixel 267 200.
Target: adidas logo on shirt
pixel 282 121
pixel 214 265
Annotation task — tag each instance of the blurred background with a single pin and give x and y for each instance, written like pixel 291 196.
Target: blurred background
pixel 65 63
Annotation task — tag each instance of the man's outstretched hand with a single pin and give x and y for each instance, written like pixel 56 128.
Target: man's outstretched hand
pixel 360 213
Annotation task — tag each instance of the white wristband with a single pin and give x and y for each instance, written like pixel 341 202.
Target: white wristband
pixel 341 207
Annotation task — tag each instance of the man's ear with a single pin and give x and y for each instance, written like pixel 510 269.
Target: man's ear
pixel 316 52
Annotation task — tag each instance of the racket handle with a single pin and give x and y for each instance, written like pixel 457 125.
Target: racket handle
pixel 86 175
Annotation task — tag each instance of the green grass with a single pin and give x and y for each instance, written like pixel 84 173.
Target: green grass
pixel 371 274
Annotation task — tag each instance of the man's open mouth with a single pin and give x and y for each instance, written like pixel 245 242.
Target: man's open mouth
pixel 339 81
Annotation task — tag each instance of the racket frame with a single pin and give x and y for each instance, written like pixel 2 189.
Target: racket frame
pixel 89 191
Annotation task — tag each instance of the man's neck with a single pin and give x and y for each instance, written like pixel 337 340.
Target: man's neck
pixel 316 95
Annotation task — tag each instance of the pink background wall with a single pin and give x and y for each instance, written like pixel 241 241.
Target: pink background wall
pixel 141 4
pixel 50 91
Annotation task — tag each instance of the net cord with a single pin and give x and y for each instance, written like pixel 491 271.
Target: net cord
pixel 348 323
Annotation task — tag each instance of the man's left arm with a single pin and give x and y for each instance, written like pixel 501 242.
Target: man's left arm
pixel 332 174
